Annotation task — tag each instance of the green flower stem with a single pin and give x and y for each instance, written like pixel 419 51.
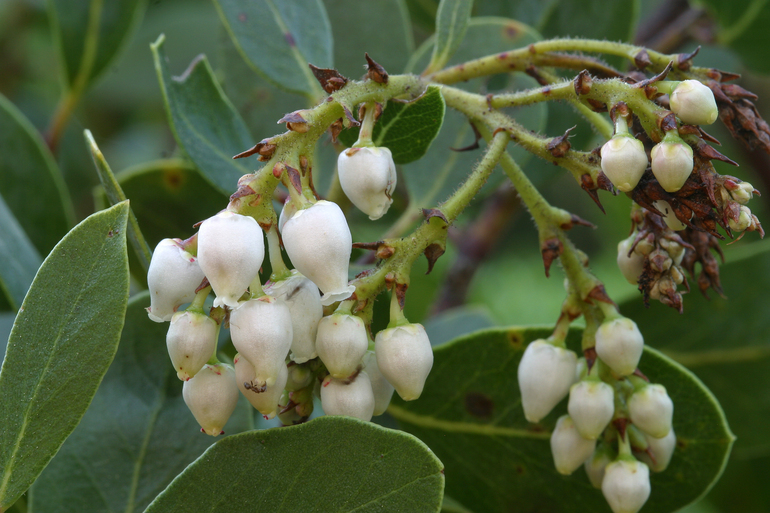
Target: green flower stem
pixel 434 230
pixel 476 108
pixel 200 299
pixel 280 271
pixel 397 317
pixel 256 288
pixel 367 127
pixel 520 59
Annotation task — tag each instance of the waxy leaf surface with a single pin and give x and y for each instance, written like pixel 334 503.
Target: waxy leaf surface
pixel 20 260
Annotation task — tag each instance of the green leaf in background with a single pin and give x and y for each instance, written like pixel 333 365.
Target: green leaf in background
pixel 353 21
pixel 329 464
pixel 470 415
pixel 62 342
pixel 743 27
pixel 278 39
pixel 407 129
pixel 116 195
pixel 434 177
pixel 19 258
pixel 136 435
pixel 451 23
pixel 90 34
pixel 204 122
pixel 27 166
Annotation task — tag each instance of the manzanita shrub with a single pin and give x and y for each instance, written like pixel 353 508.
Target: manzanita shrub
pixel 289 335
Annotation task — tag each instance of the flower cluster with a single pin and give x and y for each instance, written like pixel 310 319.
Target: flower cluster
pixel 288 351
pixel 613 412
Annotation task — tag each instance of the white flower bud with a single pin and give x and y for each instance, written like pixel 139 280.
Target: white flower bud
pixel 668 215
pixel 264 401
pixel 743 222
pixel 211 396
pixel 368 178
pixel 231 248
pixel 651 410
pixel 694 103
pixel 287 212
pixel 743 193
pixel 591 406
pixel 662 449
pixel 381 387
pixel 569 449
pixel 304 301
pixel 672 164
pixel 626 485
pixel 318 242
pixel 596 465
pixel 261 332
pixel 173 276
pixel 620 344
pixel 624 161
pixel 341 343
pixel 546 373
pixel 631 266
pixel 405 357
pixel 353 398
pixel 191 340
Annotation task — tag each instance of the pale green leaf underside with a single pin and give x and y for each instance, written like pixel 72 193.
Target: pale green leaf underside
pixel 451 23
pixel 470 415
pixel 337 464
pixel 62 342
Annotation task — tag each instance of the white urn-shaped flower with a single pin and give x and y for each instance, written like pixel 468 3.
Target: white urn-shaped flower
pixel 172 278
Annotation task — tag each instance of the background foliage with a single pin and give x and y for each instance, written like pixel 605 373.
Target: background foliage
pixel 63 69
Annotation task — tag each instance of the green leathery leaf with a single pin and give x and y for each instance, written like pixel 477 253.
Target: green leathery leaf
pixel 204 122
pixel 742 27
pixel 726 341
pixel 407 129
pixel 470 415
pixel 19 257
pixel 32 184
pixel 91 34
pixel 136 435
pixel 328 464
pixel 279 39
pixel 451 23
pixel 61 344
pixel 115 195
pixel 596 19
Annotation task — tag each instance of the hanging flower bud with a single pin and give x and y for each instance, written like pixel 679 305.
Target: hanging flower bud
pixel 261 332
pixel 319 244
pixel 304 302
pixel 597 463
pixel 341 343
pixel 211 396
pixel 591 406
pixel 672 162
pixel 626 485
pixel 405 357
pixel 743 222
pixel 651 410
pixel 630 265
pixel 620 344
pixel 569 449
pixel 353 398
pixel 546 373
pixel 287 212
pixel 742 193
pixel 368 178
pixel 191 340
pixel 694 103
pixel 668 215
pixel 662 449
pixel 381 387
pixel 265 401
pixel 173 276
pixel 231 248
pixel 624 161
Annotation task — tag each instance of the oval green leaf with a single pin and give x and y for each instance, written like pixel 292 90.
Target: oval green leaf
pixel 407 129
pixel 46 214
pixel 61 344
pixel 193 101
pixel 19 257
pixel 336 464
pixel 136 435
pixel 451 23
pixel 90 35
pixel 278 39
pixel 470 415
